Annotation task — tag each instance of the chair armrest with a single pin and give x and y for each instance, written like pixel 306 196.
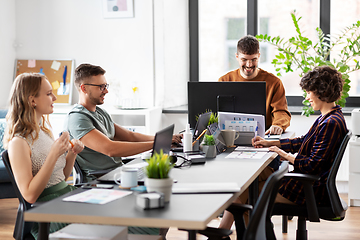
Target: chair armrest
pixel 307 181
pixel 36 204
pixel 99 173
pixel 302 177
pixel 239 207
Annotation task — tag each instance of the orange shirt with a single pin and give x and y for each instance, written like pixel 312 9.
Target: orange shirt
pixel 277 112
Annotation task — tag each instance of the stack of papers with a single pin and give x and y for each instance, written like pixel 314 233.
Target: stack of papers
pixel 252 149
pixel 246 155
pixel 248 152
pixel 97 196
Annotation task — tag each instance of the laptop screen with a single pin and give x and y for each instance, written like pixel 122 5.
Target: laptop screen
pixel 163 139
pixel 201 124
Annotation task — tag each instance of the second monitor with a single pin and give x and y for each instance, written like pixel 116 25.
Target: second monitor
pixel 240 97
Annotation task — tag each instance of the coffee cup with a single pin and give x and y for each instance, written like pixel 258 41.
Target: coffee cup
pixel 128 177
pixel 229 137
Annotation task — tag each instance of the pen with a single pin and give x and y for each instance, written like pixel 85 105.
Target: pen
pixel 64 80
pixel 203 132
pixel 256 130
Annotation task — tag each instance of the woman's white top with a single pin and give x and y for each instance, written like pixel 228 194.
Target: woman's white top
pixel 40 148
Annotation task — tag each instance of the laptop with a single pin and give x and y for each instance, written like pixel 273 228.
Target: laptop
pixel 162 141
pixel 200 126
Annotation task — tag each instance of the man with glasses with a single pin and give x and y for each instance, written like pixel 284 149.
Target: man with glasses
pixel 248 55
pixel 105 141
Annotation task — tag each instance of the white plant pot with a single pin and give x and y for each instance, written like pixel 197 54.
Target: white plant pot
pixel 160 185
pixel 209 150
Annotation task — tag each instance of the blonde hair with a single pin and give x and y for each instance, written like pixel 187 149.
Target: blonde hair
pixel 21 116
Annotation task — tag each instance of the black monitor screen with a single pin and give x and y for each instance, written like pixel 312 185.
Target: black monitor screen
pixel 240 97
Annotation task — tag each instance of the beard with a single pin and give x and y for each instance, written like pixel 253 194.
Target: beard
pixel 97 100
pixel 248 71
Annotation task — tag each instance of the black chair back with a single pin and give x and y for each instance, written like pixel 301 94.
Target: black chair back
pixel 260 223
pixel 260 226
pixel 339 207
pixel 21 229
pixel 79 176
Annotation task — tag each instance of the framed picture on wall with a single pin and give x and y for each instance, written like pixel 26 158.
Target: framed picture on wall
pixel 118 8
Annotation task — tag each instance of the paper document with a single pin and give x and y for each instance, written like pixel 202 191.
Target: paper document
pixel 97 196
pixel 205 187
pixel 246 155
pixel 242 148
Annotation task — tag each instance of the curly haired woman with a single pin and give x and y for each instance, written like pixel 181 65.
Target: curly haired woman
pixel 317 149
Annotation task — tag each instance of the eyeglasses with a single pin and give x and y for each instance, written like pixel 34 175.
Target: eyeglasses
pixel 101 86
pixel 249 60
pixel 185 164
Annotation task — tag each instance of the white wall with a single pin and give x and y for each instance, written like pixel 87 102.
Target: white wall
pixel 125 47
pixel 172 64
pixel 7 50
pixel 76 29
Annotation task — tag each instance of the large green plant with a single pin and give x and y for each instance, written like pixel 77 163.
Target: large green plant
pixel 300 52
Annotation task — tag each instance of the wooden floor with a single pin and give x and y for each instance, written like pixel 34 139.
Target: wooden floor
pixel 344 230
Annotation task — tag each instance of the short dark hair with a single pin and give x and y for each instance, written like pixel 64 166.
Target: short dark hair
pixel 248 45
pixel 85 71
pixel 325 82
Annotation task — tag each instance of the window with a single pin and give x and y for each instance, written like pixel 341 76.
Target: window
pixel 221 21
pixel 344 16
pixel 221 24
pixel 279 23
pixel 236 28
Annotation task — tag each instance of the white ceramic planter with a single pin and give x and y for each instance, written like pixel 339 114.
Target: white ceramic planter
pixel 209 150
pixel 160 185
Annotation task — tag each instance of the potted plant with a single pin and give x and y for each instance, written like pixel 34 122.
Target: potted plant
pixel 214 118
pixel 300 52
pixel 157 172
pixel 209 147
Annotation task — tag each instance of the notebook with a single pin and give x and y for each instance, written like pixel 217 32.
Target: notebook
pixel 162 141
pixel 200 126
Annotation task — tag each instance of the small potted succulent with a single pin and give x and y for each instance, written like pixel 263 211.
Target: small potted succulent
pixel 157 173
pixel 209 147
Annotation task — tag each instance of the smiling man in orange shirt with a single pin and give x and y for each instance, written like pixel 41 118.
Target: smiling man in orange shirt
pixel 248 55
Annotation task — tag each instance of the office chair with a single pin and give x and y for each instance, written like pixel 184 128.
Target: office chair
pixel 80 176
pixel 311 211
pixel 22 228
pixel 260 225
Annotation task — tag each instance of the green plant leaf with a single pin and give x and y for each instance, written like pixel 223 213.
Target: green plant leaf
pixel 299 52
pixel 159 166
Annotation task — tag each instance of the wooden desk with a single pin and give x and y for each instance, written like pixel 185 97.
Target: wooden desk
pixel 187 211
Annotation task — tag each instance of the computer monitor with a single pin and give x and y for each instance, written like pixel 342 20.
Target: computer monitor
pixel 240 97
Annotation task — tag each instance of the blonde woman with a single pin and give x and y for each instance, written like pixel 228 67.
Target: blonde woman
pixel 40 164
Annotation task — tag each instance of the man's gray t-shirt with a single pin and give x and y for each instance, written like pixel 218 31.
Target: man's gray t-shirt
pixel 81 121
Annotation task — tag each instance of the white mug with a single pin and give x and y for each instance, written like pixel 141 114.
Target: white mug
pixel 128 177
pixel 229 137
